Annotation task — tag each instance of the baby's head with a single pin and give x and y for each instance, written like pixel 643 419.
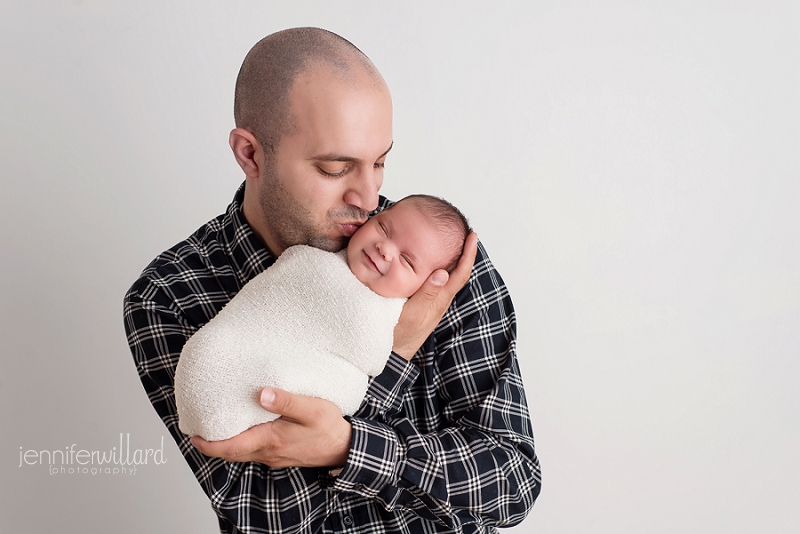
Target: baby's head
pixel 397 250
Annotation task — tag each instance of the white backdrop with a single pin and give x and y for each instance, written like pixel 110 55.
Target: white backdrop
pixel 632 169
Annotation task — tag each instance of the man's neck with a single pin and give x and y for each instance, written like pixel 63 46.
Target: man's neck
pixel 250 211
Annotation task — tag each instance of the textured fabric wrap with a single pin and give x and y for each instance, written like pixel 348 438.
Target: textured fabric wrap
pixel 305 325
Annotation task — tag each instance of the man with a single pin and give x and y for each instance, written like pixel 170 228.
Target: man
pixel 442 441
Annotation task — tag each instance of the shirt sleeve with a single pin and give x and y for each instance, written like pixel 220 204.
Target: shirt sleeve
pixel 157 330
pixel 474 460
pixel 446 437
pixel 246 495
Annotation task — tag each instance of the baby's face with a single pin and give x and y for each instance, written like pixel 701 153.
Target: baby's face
pixel 396 251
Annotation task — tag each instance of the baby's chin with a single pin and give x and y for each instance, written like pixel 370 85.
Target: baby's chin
pixel 390 293
pixel 387 292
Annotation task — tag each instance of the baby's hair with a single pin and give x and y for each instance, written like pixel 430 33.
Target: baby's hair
pixel 447 219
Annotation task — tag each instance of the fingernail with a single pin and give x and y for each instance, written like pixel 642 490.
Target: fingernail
pixel 267 397
pixel 439 278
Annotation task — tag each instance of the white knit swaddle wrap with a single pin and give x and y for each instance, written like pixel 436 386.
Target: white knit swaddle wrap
pixel 305 325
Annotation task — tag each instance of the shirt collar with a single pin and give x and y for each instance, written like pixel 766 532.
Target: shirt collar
pixel 249 255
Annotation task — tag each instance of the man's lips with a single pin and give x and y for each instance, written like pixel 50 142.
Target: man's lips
pixel 348 229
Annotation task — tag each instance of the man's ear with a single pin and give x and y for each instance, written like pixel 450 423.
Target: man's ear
pixel 247 151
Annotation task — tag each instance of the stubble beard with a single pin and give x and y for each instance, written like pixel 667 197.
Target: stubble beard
pixel 292 224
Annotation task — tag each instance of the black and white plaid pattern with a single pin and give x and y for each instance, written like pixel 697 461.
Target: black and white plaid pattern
pixel 441 444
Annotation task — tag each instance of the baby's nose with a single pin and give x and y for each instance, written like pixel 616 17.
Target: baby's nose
pixel 385 249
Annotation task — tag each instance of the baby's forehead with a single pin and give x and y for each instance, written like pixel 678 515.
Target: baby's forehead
pixel 423 221
pixel 406 212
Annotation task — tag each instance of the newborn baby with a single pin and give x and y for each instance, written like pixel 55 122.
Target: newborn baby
pixel 316 323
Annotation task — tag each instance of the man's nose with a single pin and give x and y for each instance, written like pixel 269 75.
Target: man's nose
pixel 362 189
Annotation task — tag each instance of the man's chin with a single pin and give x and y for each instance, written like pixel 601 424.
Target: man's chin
pixel 331 245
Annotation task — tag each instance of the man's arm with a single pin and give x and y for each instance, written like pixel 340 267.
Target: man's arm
pixel 243 495
pixel 458 446
pixel 475 464
pixel 162 310
pixel 311 432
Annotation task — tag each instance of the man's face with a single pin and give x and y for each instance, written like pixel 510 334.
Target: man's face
pixel 325 175
pixel 395 251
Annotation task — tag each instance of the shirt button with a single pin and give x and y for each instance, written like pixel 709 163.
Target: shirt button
pixel 348 521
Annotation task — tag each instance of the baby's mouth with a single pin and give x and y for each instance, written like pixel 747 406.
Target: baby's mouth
pixel 370 262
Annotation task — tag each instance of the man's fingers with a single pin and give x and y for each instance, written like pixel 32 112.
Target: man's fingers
pixel 235 449
pixel 443 286
pixel 201 445
pixel 423 311
pixel 298 408
pixel 310 432
pixel 460 274
pixel 463 270
pixel 241 446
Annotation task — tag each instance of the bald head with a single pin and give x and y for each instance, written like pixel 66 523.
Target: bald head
pixel 262 103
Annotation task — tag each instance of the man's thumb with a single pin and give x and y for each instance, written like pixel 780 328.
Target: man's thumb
pixel 432 286
pixel 267 397
pixel 439 277
pixel 280 402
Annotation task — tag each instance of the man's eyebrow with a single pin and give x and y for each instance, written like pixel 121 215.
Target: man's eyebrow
pixel 343 158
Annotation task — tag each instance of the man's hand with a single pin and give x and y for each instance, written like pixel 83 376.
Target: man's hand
pixel 311 432
pixel 423 311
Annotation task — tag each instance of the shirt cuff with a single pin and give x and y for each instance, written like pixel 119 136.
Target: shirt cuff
pixel 375 459
pixel 385 392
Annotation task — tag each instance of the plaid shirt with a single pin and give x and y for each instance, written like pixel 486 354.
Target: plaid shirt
pixel 440 444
